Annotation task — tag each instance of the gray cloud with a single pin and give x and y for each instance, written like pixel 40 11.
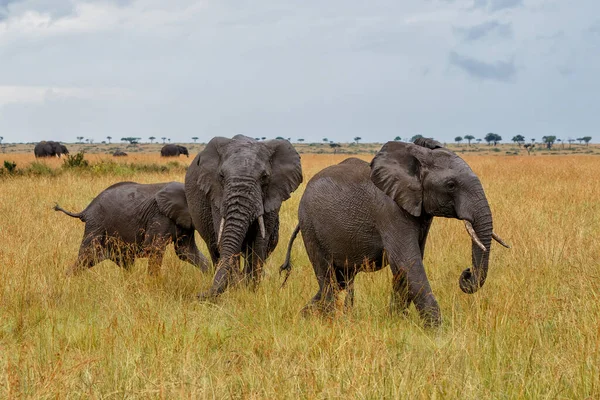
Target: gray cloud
pixel 497 5
pixel 482 30
pixel 336 69
pixel 500 71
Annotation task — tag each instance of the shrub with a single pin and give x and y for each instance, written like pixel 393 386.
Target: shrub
pixel 39 169
pixel 10 166
pixel 76 161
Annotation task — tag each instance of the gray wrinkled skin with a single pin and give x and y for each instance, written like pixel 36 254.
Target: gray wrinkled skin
pixel 359 217
pixel 49 149
pixel 174 150
pixel 130 220
pixel 239 180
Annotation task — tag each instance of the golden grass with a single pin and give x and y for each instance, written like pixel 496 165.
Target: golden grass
pixel 531 332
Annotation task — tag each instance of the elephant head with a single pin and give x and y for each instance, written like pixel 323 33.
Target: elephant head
pixel 243 180
pixel 183 150
pixel 63 149
pixel 427 179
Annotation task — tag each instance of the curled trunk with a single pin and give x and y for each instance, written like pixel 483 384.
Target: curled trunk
pixel 473 278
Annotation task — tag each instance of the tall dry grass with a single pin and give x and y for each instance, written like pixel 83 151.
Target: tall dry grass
pixel 531 332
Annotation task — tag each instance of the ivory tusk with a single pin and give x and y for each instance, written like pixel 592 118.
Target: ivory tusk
pixel 220 231
pixel 499 240
pixel 473 235
pixel 261 224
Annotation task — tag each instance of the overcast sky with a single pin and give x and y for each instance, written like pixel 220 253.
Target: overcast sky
pixel 301 69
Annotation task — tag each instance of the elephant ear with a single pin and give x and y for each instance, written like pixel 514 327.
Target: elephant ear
pixel 396 171
pixel 286 173
pixel 428 143
pixel 208 162
pixel 172 203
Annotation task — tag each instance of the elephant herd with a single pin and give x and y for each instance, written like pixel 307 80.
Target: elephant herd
pixel 354 216
pixel 51 148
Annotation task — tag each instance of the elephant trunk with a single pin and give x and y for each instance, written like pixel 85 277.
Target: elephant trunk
pixel 480 228
pixel 242 205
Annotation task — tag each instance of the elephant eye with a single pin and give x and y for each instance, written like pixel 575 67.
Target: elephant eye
pixel 265 177
pixel 451 185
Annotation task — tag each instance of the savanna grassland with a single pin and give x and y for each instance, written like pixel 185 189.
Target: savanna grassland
pixel 533 331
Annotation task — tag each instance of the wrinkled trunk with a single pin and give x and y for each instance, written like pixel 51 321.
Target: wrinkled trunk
pixel 241 206
pixel 473 278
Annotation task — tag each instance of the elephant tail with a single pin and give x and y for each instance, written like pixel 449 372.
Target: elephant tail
pixel 287 265
pixel 70 214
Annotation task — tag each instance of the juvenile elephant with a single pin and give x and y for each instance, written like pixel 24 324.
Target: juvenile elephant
pixel 129 220
pixel 234 189
pixel 359 217
pixel 49 149
pixel 173 150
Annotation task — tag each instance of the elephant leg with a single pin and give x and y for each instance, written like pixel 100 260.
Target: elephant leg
pixel 345 279
pixel 123 256
pixel 213 251
pixel 90 253
pixel 419 291
pixel 186 250
pixel 324 300
pixel 349 301
pixel 120 253
pixel 254 264
pixel 400 299
pixel 154 249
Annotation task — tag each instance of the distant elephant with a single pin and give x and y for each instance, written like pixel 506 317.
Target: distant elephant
pixel 119 153
pixel 173 150
pixel 234 189
pixel 355 217
pixel 129 220
pixel 49 149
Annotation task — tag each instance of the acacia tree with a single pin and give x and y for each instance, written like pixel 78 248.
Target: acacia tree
pixel 163 139
pixel 492 138
pixel 1 139
pixel 549 140
pixel 458 139
pixel 109 138
pixel 79 139
pixel 325 140
pixel 397 138
pixel 570 140
pixel 518 139
pixel 587 139
pixel 194 139
pixel 152 139
pixel 469 138
pixel 356 139
pixel 131 140
pixel 301 140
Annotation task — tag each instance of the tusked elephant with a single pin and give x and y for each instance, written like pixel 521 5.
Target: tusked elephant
pixel 129 220
pixel 359 217
pixel 49 149
pixel 173 150
pixel 234 189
